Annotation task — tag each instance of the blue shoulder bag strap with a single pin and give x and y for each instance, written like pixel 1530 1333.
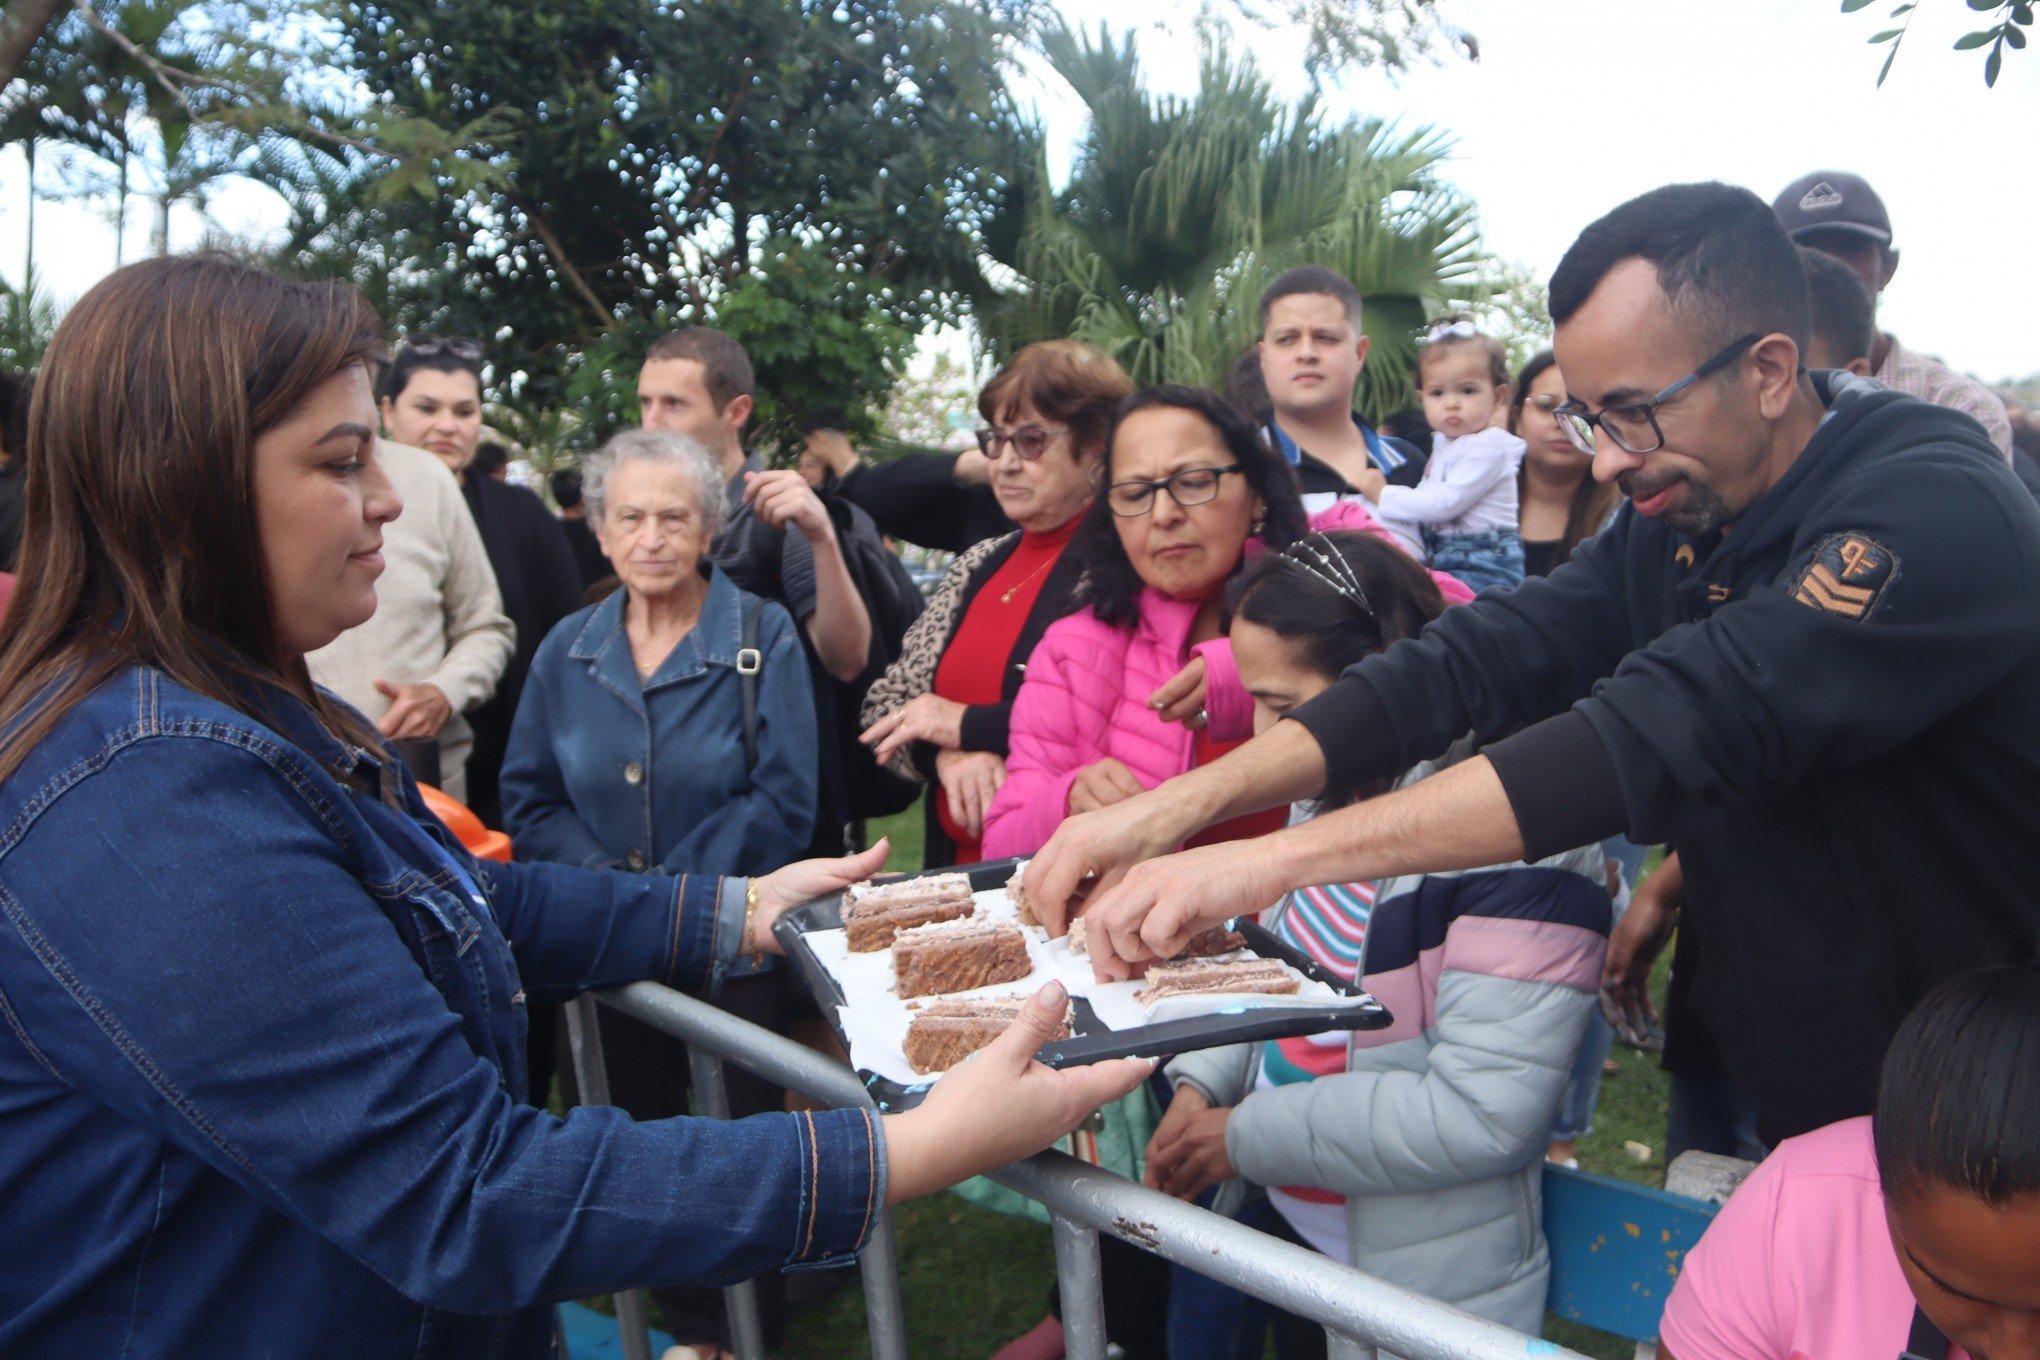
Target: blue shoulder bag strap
pixel 749 662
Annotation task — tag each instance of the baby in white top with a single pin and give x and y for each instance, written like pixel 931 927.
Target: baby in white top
pixel 1462 515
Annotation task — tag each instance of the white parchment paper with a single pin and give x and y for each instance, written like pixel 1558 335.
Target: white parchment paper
pixel 874 1018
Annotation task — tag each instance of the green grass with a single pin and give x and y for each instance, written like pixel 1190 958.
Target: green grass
pixel 972 1279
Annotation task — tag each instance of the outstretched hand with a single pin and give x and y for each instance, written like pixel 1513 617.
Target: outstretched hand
pixel 805 880
pixel 1091 851
pixel 1158 906
pixel 1000 1105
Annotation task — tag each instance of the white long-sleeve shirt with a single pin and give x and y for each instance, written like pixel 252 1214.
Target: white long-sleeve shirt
pixel 1468 487
pixel 438 618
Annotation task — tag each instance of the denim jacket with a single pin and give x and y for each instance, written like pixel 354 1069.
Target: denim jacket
pixel 603 771
pixel 261 1058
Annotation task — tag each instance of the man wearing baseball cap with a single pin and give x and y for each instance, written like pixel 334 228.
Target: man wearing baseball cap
pixel 1839 214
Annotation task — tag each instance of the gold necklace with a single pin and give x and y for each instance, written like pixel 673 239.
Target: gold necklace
pixel 1014 589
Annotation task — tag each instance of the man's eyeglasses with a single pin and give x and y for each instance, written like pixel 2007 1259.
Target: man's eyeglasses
pixel 1192 486
pixel 1633 425
pixel 457 346
pixel 1029 441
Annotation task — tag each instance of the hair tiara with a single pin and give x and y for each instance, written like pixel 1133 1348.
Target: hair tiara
pixel 1319 558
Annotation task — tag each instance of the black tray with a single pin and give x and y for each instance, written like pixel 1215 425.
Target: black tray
pixel 1090 1040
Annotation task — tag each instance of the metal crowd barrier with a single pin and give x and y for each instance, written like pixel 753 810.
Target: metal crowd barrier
pixel 1362 1316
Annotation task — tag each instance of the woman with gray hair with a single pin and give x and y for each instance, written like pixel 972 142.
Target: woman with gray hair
pixel 670 725
pixel 668 729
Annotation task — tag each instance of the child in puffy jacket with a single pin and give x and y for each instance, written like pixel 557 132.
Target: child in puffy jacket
pixel 1413 1152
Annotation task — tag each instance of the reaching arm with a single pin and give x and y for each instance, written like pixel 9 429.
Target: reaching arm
pixel 838 625
pixel 1491 667
pixel 1457 819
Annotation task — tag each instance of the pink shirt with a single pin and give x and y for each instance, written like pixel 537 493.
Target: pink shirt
pixel 1799 1266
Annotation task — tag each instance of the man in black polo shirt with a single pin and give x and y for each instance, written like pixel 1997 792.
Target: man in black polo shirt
pixel 1312 351
pixel 1807 653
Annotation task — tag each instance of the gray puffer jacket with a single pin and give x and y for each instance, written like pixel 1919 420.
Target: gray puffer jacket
pixel 1436 1130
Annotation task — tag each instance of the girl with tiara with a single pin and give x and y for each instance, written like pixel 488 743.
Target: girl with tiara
pixel 1412 1152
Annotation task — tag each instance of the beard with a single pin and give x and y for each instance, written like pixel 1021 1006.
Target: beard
pixel 1701 510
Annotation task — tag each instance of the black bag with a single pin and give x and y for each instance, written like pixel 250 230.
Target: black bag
pixel 893 601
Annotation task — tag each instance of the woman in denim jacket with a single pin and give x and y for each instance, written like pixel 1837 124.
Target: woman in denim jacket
pixel 261 1018
pixel 629 751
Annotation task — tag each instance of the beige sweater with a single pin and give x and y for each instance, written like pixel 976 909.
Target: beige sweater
pixel 439 618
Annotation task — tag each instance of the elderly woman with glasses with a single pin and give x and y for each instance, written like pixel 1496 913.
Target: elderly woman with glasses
pixel 942 709
pixel 1191 494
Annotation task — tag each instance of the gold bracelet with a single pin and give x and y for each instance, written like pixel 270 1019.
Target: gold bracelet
pixel 751 949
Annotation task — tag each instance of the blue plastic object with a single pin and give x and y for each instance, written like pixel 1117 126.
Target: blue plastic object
pixel 1616 1249
pixel 593 1336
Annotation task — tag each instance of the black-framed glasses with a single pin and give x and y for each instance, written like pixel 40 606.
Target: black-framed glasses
pixel 458 346
pixel 1633 424
pixel 1029 441
pixel 1191 486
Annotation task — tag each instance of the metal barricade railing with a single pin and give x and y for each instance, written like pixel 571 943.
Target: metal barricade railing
pixel 1360 1314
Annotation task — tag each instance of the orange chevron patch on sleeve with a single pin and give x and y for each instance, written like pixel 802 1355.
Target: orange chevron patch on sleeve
pixel 1848 575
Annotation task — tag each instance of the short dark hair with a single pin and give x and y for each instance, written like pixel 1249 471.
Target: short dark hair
pixel 15 391
pixel 1409 425
pixel 1722 260
pixel 1958 1104
pixel 566 487
pixel 1312 278
pixel 825 418
pixel 726 369
pixel 489 455
pixel 396 375
pixel 1111 586
pixel 1843 312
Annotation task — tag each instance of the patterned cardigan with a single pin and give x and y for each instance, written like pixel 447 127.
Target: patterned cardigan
pixel 913 672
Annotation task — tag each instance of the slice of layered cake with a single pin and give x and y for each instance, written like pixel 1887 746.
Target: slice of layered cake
pixel 1210 977
pixel 945 1032
pixel 955 956
pixel 873 913
pixel 1217 940
pixel 1016 893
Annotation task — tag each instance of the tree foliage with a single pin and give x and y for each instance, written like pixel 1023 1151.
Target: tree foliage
pixel 1180 211
pixel 2010 22
pixel 640 164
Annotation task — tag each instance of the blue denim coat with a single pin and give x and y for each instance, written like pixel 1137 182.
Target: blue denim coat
pixel 604 771
pixel 261 1052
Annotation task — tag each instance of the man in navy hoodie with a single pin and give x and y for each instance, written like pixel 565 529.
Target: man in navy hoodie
pixel 1807 653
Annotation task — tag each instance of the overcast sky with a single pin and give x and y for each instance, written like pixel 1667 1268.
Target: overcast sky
pixel 1574 106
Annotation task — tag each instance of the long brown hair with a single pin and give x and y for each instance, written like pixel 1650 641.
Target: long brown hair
pixel 140 543
pixel 1592 501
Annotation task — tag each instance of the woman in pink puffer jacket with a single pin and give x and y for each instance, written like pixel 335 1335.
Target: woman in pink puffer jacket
pixel 1083 733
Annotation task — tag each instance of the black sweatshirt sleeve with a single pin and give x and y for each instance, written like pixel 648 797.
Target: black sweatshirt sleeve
pixel 914 497
pixel 1488 667
pixel 987 727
